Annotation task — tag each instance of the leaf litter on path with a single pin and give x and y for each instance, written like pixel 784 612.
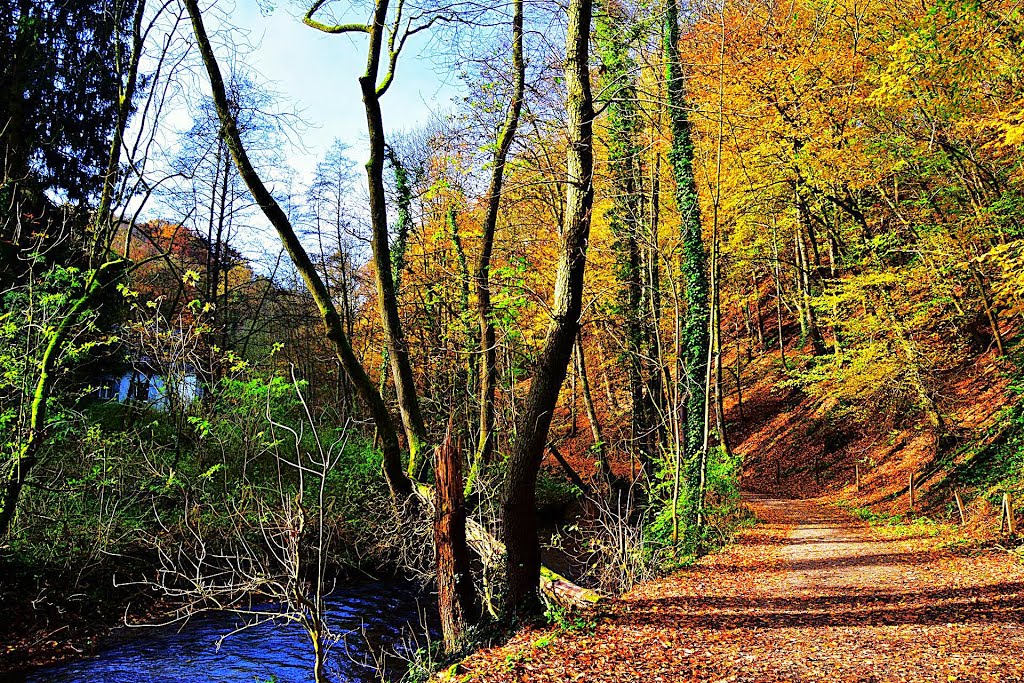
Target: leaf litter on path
pixel 809 594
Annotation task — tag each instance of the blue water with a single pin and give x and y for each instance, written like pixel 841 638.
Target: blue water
pixel 379 613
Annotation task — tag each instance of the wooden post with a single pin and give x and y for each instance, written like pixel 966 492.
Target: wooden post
pixel 778 473
pixel 856 476
pixel 960 507
pixel 455 592
pixel 1011 526
pixel 911 490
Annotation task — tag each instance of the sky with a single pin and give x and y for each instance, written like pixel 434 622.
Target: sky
pixel 314 76
pixel 317 73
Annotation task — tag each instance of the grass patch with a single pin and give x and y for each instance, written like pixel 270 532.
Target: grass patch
pixel 896 526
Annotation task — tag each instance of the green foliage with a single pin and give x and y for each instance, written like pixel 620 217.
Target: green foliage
pixel 62 57
pixel 100 505
pixel 723 512
pixel 555 490
pixel 113 467
pixel 423 662
pixel 896 525
pixel 694 265
pixel 994 462
pixel 568 621
pixel 509 302
pixel 546 639
pixel 873 517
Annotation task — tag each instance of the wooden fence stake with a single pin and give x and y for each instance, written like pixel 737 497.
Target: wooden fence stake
pixel 911 491
pixel 856 476
pixel 960 507
pixel 1011 526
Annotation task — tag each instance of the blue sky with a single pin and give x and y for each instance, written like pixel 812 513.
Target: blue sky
pixel 317 73
pixel 315 76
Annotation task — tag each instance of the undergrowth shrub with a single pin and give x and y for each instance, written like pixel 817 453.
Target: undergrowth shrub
pixel 116 473
pixel 629 539
pixel 723 513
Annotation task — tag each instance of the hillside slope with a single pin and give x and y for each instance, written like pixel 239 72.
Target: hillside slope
pixel 796 446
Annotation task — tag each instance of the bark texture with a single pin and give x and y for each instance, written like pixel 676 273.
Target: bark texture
pixel 519 498
pixel 696 334
pixel 455 594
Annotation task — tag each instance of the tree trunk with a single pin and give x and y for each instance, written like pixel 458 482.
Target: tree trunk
pixel 695 267
pixel 588 401
pixel 455 594
pixel 482 282
pixel 465 313
pixel 651 348
pixel 618 83
pixel 400 484
pixel 808 321
pixel 758 320
pixel 777 276
pixel 519 522
pixel 387 299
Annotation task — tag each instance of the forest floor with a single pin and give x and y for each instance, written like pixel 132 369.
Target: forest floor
pixel 808 594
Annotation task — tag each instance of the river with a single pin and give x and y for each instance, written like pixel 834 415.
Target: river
pixel 381 613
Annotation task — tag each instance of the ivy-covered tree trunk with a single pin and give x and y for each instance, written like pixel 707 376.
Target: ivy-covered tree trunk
pixel 519 513
pixel 694 346
pixel 625 219
pixel 651 349
pixel 392 259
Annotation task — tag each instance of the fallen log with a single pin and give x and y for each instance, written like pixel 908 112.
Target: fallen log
pixel 553 586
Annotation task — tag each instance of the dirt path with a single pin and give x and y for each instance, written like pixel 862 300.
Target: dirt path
pixel 810 594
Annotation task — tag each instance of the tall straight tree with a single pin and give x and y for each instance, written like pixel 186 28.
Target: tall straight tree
pixel 695 272
pixel 400 484
pixel 482 275
pixel 384 29
pixel 618 83
pixel 519 521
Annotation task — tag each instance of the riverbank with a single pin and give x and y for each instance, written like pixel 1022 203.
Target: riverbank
pixel 368 621
pixel 50 615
